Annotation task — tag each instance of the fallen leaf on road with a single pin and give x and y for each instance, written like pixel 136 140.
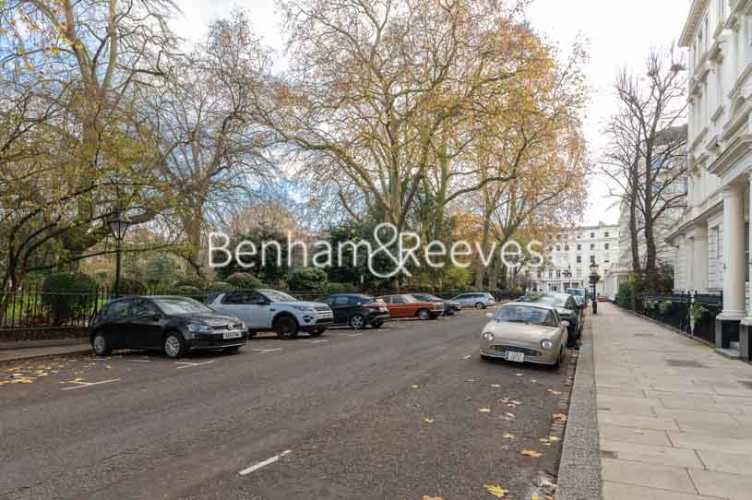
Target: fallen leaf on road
pixel 415 386
pixel 108 367
pixel 555 393
pixel 530 453
pixel 534 381
pixel 639 431
pixel 510 415
pixel 553 439
pixel 508 436
pixel 495 386
pixel 518 374
pixel 426 497
pixel 471 380
pixel 428 420
pixel 484 410
pixel 496 490
pixel 560 417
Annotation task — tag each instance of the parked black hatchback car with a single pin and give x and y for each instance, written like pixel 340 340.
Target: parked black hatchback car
pixel 356 310
pixel 174 325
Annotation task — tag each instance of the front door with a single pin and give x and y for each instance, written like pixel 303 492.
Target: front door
pixel 342 308
pixel 250 306
pixel 145 325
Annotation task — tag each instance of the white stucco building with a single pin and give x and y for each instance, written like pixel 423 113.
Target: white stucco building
pixel 572 252
pixel 712 237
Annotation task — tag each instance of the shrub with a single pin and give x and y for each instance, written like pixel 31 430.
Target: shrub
pixel 189 291
pixel 219 286
pixel 192 281
pixel 69 295
pixel 341 288
pixel 130 286
pixel 244 281
pixel 308 279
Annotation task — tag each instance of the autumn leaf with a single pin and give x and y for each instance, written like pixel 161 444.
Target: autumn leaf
pixel 428 420
pixel 415 386
pixel 508 436
pixel 560 417
pixel 555 393
pixel 426 497
pixel 530 453
pixel 484 410
pixel 496 490
pixel 495 386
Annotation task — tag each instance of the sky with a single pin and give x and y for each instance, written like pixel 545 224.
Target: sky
pixel 617 33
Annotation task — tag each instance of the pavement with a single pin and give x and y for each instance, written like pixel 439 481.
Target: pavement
pixel 674 418
pixel 19 351
pixel 404 412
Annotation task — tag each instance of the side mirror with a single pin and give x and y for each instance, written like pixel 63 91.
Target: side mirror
pixel 489 315
pixel 565 324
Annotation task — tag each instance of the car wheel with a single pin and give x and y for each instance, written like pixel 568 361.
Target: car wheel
pixel 317 332
pixel 286 327
pixel 357 322
pixel 100 345
pixel 232 350
pixel 480 305
pixel 377 324
pixel 424 314
pixel 174 345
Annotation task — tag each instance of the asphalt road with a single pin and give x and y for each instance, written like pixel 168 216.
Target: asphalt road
pixel 399 413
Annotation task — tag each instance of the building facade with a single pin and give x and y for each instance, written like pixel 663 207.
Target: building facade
pixel 712 237
pixel 569 255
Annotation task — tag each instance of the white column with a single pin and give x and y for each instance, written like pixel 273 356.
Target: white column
pixel 734 303
pixel 748 319
pixel 689 264
pixel 700 259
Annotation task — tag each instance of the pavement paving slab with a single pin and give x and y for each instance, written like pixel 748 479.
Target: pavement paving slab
pixel 673 422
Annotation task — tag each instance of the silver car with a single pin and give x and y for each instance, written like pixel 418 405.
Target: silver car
pixel 525 333
pixel 478 300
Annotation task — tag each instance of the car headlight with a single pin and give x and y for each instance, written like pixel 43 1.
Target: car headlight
pixel 304 308
pixel 547 344
pixel 198 328
pixel 488 337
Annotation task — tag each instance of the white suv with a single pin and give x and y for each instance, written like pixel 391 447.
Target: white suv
pixel 271 310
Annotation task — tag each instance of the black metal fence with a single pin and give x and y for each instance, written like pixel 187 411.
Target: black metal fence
pixel 31 307
pixel 690 313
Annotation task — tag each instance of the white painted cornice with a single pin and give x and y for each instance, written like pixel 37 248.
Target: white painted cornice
pixel 696 12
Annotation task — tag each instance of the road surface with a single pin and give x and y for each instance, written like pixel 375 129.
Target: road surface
pixel 403 412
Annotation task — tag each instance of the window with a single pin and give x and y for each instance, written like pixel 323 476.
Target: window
pixel 398 299
pixel 605 246
pixel 579 247
pixel 592 235
pixel 340 301
pixel 566 248
pixel 117 310
pixel 605 235
pixel 592 246
pixel 592 259
pixel 579 259
pixel 550 274
pixel 558 248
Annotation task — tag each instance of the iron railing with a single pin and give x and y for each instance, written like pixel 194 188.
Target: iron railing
pixel 677 310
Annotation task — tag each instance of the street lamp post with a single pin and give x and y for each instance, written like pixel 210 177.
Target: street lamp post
pixel 118 222
pixel 594 277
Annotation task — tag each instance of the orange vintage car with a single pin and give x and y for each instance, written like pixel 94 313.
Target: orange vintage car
pixel 406 306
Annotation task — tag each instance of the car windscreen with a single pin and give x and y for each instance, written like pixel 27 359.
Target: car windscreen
pixel 276 296
pixel 576 291
pixel 552 300
pixel 181 306
pixel 526 314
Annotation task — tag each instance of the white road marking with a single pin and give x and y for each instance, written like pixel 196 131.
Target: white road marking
pixel 266 462
pixel 350 334
pixel 87 384
pixel 317 341
pixel 264 351
pixel 188 364
pixel 139 360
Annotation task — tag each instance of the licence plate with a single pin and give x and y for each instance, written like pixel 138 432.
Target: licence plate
pixel 232 335
pixel 517 357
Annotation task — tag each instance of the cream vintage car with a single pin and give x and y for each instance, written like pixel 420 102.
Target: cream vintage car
pixel 525 333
